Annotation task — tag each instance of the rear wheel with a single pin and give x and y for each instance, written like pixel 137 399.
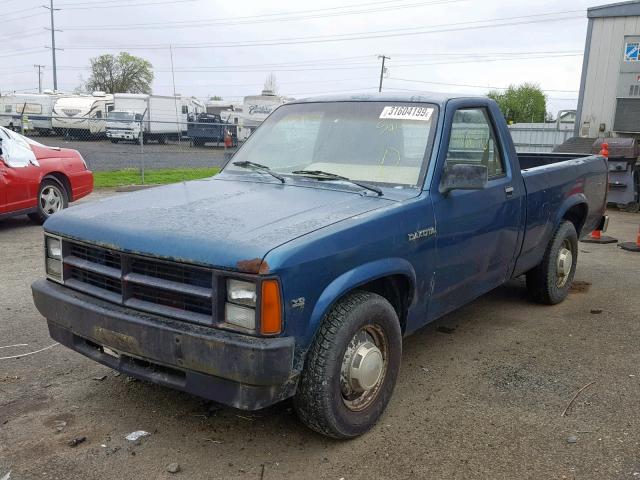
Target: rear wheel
pixel 551 280
pixel 114 140
pixel 52 197
pixel 351 368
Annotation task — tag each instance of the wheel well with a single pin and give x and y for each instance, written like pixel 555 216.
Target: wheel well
pixel 63 180
pixel 576 215
pixel 397 290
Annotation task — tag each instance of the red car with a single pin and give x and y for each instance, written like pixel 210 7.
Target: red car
pixel 38 180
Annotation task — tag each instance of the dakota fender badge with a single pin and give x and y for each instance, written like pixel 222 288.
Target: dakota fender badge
pixel 424 233
pixel 298 303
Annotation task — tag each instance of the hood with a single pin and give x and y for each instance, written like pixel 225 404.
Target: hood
pixel 218 222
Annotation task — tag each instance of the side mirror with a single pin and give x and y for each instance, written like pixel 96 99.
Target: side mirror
pixel 463 176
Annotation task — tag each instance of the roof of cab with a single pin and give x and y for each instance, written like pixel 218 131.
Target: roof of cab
pixel 418 97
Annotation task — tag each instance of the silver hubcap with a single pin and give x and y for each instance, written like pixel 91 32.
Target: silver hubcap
pixel 50 200
pixel 564 264
pixel 363 367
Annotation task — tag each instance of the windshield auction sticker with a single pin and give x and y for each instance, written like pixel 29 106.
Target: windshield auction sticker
pixel 403 112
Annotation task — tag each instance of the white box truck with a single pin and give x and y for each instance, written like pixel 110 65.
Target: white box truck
pixel 147 117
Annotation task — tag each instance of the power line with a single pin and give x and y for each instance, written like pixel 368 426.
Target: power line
pixel 305 67
pixel 8 14
pixel 471 86
pixel 426 92
pixel 398 32
pixel 276 17
pixel 22 18
pixel 93 6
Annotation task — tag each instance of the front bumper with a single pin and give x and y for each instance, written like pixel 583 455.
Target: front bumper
pixel 125 135
pixel 234 369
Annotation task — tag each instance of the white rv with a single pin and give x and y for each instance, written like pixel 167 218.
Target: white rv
pixel 155 117
pixel 30 111
pixel 81 114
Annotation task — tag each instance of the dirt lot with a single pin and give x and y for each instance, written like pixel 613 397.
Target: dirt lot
pixel 480 395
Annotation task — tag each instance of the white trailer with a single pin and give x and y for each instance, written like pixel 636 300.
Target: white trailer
pixel 81 114
pixel 154 117
pixel 28 111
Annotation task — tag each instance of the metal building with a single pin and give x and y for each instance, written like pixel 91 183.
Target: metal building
pixel 609 100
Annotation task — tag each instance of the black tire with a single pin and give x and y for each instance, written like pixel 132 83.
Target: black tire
pixel 320 401
pixel 546 283
pixel 114 140
pixel 162 140
pixel 44 210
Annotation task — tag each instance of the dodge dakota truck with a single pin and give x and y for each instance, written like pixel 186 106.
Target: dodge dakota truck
pixel 340 226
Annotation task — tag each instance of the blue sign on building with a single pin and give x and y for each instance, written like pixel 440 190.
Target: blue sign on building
pixel 632 52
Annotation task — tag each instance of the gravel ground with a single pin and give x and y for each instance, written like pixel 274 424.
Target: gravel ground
pixel 480 394
pixel 102 155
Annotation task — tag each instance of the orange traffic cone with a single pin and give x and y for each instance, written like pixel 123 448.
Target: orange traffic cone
pixel 597 237
pixel 631 246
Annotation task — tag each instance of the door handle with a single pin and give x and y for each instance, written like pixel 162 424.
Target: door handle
pixel 508 191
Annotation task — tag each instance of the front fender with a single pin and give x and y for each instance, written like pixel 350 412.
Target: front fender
pixel 353 278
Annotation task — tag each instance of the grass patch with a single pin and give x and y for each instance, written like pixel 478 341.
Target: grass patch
pixel 159 176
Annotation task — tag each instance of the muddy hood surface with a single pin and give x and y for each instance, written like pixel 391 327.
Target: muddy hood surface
pixel 216 222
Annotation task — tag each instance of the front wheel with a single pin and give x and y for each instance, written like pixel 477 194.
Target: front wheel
pixel 52 197
pixel 551 280
pixel 351 368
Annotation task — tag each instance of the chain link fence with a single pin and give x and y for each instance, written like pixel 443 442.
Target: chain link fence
pixel 133 142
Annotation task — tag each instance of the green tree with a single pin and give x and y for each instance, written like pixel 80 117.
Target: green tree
pixel 123 73
pixel 522 104
pixel 215 98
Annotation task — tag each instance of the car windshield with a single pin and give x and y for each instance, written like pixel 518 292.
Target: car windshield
pixel 376 142
pixel 120 116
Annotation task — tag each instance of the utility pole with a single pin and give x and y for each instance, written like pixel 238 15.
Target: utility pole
pixel 39 67
pixel 382 70
pixel 53 43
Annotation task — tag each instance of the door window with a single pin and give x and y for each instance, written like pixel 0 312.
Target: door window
pixel 473 141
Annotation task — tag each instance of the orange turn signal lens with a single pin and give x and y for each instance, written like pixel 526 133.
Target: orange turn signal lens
pixel 271 308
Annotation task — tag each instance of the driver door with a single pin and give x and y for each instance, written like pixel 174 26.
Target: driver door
pixel 478 230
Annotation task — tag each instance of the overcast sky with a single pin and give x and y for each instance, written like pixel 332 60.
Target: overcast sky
pixel 312 47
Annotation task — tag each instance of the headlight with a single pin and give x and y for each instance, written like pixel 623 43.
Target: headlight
pixel 54 248
pixel 241 293
pixel 244 317
pixel 53 258
pixel 240 308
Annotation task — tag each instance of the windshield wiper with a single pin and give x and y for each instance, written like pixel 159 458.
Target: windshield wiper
pixel 258 167
pixel 321 175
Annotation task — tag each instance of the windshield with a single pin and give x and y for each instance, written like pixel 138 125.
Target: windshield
pixel 120 116
pixel 25 141
pixel 379 142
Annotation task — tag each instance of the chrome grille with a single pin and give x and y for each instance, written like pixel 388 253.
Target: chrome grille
pixel 167 288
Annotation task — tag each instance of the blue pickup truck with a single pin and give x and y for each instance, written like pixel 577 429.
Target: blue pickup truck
pixel 340 226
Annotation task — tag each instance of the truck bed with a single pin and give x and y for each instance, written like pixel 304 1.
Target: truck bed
pixel 553 181
pixel 534 159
